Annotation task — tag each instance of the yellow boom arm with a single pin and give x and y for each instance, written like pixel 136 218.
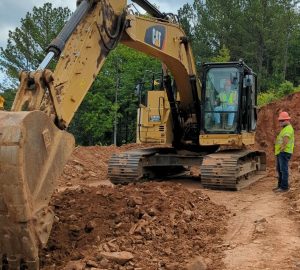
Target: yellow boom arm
pixel 84 54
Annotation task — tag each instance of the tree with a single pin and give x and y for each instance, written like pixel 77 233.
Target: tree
pixel 27 43
pixel 262 32
pixel 9 95
pixel 223 56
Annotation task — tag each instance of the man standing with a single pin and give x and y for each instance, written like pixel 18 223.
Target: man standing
pixel 284 147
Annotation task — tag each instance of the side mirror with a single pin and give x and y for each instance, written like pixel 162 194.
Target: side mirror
pixel 248 81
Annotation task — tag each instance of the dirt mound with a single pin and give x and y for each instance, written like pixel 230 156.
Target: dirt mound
pixel 268 127
pixel 143 226
pixel 88 164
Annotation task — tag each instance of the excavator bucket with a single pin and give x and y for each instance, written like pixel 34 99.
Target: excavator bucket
pixel 33 152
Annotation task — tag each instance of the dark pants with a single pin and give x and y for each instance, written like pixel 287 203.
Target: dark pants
pixel 283 169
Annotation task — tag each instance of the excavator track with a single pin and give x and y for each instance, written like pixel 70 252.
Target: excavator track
pixel 232 169
pixel 126 167
pixel 33 152
pixel 150 163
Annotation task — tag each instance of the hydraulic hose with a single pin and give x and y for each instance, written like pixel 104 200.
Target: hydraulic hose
pixel 57 45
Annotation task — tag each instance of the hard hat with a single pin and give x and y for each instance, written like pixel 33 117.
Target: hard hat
pixel 284 116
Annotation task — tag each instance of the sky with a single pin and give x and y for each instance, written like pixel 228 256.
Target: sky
pixel 11 11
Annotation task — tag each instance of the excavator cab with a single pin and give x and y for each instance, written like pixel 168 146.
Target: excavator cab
pixel 228 104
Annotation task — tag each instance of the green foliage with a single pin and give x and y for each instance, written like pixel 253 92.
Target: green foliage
pixel 266 98
pixel 26 44
pixel 269 96
pixel 223 56
pixel 93 122
pixel 297 89
pixel 9 95
pixel 285 88
pixel 266 34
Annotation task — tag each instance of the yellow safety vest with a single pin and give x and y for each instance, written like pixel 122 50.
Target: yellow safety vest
pixel 228 97
pixel 287 131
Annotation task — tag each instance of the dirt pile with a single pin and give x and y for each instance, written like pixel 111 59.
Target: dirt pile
pixel 268 127
pixel 88 164
pixel 144 226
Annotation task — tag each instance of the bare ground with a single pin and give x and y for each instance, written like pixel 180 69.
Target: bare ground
pixel 263 231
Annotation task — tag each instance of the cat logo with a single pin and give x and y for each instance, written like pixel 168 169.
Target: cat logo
pixel 155 36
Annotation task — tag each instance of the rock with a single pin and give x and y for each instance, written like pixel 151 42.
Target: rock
pixel 76 256
pixel 90 226
pixel 138 200
pixel 172 266
pixel 72 217
pixel 197 263
pixel 104 263
pixel 74 228
pixel 118 257
pixel 208 261
pixel 113 247
pixel 152 212
pixel 74 266
pixel 91 263
pixel 92 174
pixel 262 220
pixel 226 245
pixel 260 228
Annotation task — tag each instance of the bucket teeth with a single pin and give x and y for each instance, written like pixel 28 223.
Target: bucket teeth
pixel 33 152
pixel 14 263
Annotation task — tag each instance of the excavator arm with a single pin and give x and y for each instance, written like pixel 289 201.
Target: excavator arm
pixel 105 25
pixel 33 144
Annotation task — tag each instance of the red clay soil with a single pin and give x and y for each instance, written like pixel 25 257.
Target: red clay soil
pixel 268 126
pixel 150 225
pixel 90 164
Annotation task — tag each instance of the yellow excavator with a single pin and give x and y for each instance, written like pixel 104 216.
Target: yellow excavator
pixel 193 118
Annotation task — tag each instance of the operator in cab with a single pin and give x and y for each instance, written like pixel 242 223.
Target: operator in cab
pixel 226 102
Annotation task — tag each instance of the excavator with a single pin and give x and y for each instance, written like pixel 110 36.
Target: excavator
pixel 34 143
